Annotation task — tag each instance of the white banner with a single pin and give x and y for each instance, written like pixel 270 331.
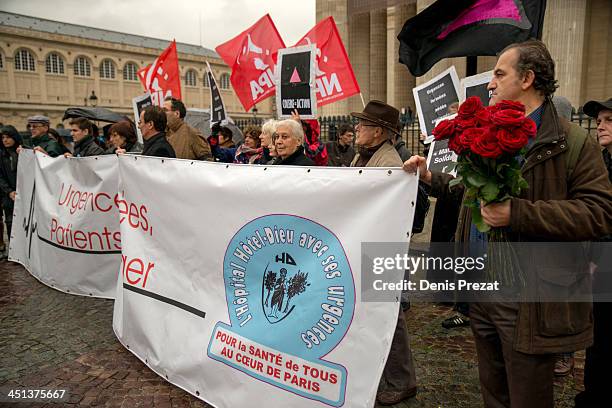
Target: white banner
pixel 66 222
pixel 241 284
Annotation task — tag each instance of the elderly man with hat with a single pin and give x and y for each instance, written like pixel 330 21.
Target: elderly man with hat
pixel 41 141
pixel 378 123
pixel 599 355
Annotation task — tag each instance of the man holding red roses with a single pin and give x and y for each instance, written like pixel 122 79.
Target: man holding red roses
pixel 568 197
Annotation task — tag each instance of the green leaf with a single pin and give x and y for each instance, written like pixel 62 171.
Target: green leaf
pixel 478 221
pixel 476 180
pixel 456 181
pixel 489 191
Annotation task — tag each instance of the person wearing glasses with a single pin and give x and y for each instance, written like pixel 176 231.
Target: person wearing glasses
pixel 376 130
pixel 152 125
pixel 41 141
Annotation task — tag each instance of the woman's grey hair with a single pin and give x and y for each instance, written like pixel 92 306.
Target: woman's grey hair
pixel 295 129
pixel 269 126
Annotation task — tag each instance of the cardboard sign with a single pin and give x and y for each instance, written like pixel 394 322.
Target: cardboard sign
pixel 139 103
pixel 217 107
pixel 434 97
pixel 295 86
pixel 440 157
pixel 476 85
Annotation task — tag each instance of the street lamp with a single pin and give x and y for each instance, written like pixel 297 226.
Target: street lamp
pixel 93 99
pixel 255 112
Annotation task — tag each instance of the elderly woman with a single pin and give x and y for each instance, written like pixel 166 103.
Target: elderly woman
pixel 289 144
pixel 249 152
pixel 122 135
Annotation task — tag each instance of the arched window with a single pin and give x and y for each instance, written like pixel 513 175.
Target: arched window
pixel 107 69
pixel 206 82
pixel 190 78
pixel 54 64
pixel 82 67
pixel 224 82
pixel 130 72
pixel 24 61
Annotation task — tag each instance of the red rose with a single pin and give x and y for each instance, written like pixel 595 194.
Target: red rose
pixel 469 108
pixel 484 117
pixel 511 141
pixel 487 145
pixel 468 136
pixel 529 128
pixel 454 144
pixel 463 124
pixel 508 118
pixel 444 130
pixel 511 105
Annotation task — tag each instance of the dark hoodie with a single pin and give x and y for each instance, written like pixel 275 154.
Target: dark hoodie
pixel 8 165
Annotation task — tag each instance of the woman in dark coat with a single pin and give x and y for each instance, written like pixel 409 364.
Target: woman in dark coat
pixel 11 140
pixel 123 135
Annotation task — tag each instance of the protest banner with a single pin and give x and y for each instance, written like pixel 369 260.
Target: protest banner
pixel 66 222
pixel 138 105
pixel 433 98
pixel 335 79
pixel 440 157
pixel 162 77
pixel 476 85
pixel 295 82
pixel 252 57
pixel 261 308
pixel 217 107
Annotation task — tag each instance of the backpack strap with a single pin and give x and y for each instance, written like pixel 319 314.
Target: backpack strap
pixel 575 138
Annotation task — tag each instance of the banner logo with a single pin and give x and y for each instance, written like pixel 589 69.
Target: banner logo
pixel 291 296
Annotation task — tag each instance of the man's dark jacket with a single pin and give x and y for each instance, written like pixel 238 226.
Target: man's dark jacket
pixel 158 146
pixel 557 206
pixel 87 147
pixel 338 155
pixel 50 146
pixel 298 158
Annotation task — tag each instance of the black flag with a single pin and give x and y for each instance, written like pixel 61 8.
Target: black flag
pixel 217 108
pixel 462 28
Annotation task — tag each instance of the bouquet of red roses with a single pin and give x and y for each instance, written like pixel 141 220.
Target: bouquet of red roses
pixel 489 142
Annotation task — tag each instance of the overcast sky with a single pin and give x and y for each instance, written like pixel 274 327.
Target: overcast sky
pixel 179 19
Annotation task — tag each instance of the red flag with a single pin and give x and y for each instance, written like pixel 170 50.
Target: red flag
pixel 252 56
pixel 334 74
pixel 162 78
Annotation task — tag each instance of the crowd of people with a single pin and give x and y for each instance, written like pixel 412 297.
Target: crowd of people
pixel 518 344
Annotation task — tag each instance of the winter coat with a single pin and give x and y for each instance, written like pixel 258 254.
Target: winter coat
pixel 557 206
pixel 49 145
pixel 8 171
pixel 385 156
pixel 338 155
pixel 298 158
pixel 158 146
pixel 313 148
pixel 187 142
pixel 608 162
pixel 402 150
pixel 87 147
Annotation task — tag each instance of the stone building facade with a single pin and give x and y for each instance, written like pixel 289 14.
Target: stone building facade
pixel 47 66
pixel 578 34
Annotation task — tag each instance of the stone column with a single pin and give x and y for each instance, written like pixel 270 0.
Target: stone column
pixel 338 10
pixel 41 68
pixel 399 80
pixel 378 55
pixel 359 54
pixel 9 60
pixel 564 35
pixel 597 82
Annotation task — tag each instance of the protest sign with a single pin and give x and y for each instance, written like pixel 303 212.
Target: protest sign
pixel 67 222
pixel 217 107
pixel 252 57
pixel 440 157
pixel 262 308
pixel 434 97
pixel 162 77
pixel 335 79
pixel 476 85
pixel 295 86
pixel 138 105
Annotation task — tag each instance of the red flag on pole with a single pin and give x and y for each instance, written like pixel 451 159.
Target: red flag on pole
pixel 252 56
pixel 335 78
pixel 162 77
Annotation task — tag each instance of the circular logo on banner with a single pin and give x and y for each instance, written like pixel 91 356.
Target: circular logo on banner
pixel 289 285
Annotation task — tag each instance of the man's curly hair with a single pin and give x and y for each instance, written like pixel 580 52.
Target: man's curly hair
pixel 534 56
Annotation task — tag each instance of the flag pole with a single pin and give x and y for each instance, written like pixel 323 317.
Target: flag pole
pixel 362 101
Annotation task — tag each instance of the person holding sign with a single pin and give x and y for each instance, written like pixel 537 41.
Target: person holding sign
pixel 378 123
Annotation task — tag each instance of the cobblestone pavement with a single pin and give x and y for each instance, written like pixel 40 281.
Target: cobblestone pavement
pixel 54 340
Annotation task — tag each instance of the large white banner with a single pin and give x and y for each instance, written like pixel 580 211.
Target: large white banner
pixel 66 222
pixel 241 284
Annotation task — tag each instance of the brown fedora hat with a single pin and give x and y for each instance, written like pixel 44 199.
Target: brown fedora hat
pixel 380 113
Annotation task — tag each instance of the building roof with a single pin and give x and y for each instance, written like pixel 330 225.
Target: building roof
pixel 57 27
